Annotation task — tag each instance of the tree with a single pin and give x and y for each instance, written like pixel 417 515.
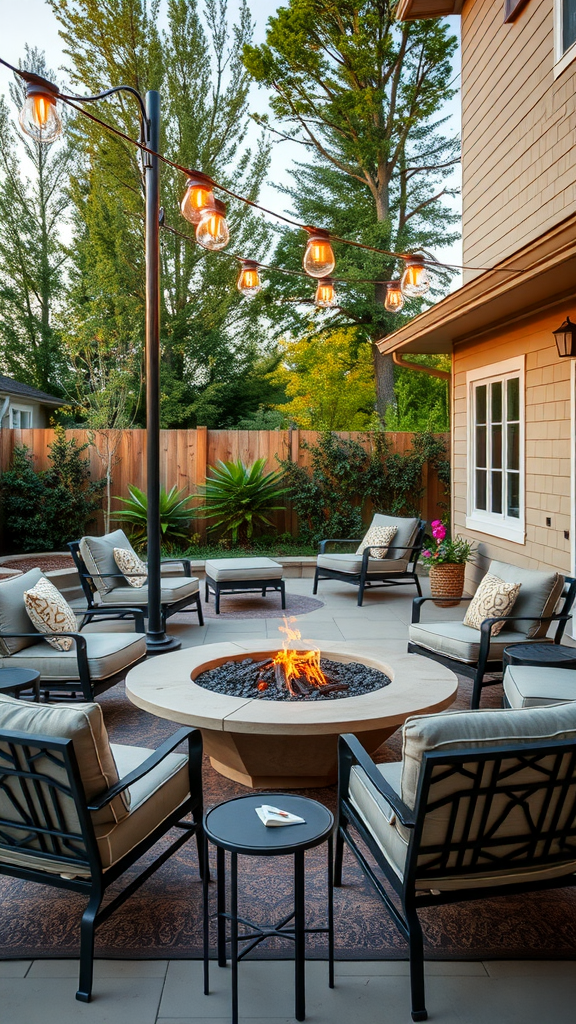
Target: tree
pixel 329 381
pixel 361 93
pixel 32 256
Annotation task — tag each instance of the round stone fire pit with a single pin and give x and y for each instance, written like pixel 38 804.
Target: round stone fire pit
pixel 278 744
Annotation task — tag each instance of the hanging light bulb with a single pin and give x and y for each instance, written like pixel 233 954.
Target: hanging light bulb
pixel 319 260
pixel 415 280
pixel 39 117
pixel 394 299
pixel 249 279
pixel 212 229
pixel 325 294
pixel 198 197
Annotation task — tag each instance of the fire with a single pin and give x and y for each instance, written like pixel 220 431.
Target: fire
pixel 294 665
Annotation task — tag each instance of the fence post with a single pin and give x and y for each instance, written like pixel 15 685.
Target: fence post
pixel 200 469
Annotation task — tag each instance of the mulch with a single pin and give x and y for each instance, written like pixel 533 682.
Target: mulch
pixel 47 563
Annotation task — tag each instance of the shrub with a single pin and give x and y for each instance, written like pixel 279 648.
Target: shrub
pixel 239 497
pixel 175 515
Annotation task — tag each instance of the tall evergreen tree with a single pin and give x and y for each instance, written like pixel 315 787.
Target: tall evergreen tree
pixel 361 93
pixel 32 257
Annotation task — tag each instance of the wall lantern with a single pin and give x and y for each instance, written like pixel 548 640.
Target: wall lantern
pixel 566 338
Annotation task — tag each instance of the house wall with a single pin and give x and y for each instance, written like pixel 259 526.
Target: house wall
pixel 548 444
pixel 40 413
pixel 518 130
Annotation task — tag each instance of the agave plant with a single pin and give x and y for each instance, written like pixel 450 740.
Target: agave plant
pixel 237 497
pixel 175 514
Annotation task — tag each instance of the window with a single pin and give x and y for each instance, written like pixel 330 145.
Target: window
pixel 496 429
pixel 20 416
pixel 564 34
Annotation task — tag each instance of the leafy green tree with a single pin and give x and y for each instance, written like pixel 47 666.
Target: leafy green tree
pixel 362 94
pixel 32 256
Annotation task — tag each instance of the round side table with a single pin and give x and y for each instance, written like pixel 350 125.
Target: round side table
pixel 14 680
pixel 235 826
pixel 548 655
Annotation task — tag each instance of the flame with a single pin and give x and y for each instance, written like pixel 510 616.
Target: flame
pixel 297 664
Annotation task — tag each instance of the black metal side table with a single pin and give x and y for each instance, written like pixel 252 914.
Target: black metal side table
pixel 546 655
pixel 235 826
pixel 14 680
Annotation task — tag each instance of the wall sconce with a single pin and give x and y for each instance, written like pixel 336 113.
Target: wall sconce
pixel 565 338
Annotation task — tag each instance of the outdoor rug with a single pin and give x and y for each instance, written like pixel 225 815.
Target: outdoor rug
pixel 251 606
pixel 163 919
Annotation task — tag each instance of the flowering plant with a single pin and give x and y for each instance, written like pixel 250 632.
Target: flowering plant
pixel 445 551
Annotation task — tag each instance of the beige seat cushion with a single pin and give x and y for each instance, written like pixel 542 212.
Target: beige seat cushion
pixel 174 588
pixel 49 611
pixel 129 565
pixel 493 598
pixel 239 569
pixel 98 555
pixel 108 653
pixel 13 615
pixel 353 563
pixel 539 595
pixel 529 686
pixel 455 640
pixel 377 535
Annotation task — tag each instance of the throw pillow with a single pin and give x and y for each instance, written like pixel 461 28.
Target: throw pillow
pixel 129 563
pixel 493 598
pixel 378 535
pixel 49 611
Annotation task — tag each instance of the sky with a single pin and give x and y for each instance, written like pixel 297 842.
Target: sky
pixel 32 22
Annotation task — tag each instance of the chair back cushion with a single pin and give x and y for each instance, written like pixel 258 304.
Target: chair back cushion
pixel 49 611
pixel 405 532
pixel 13 615
pixel 539 594
pixel 493 598
pixel 377 535
pixel 84 725
pixel 98 555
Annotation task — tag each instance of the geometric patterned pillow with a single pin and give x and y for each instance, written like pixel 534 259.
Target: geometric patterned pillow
pixel 378 535
pixel 129 563
pixel 493 598
pixel 50 611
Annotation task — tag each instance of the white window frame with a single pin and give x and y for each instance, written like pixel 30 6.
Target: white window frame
pixel 21 408
pixel 562 59
pixel 494 523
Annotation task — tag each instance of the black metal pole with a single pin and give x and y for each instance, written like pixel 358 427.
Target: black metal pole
pixel 156 639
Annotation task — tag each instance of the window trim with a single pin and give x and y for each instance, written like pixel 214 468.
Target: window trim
pixel 492 522
pixel 17 407
pixel 562 59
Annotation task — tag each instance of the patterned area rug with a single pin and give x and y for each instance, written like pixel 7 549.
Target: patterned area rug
pixel 163 919
pixel 251 606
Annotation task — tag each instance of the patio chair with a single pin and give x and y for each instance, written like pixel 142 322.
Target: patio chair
pixel 95 661
pixel 105 586
pixel 475 652
pixel 397 568
pixel 483 804
pixel 76 811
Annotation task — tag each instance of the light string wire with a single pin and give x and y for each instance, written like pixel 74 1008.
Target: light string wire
pixel 74 101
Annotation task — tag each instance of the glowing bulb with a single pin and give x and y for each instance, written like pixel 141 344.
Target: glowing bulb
pixel 394 300
pixel 198 197
pixel 325 294
pixel 415 280
pixel 212 230
pixel 39 117
pixel 319 258
pixel 249 279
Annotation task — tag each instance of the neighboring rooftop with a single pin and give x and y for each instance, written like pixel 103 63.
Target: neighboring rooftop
pixel 10 386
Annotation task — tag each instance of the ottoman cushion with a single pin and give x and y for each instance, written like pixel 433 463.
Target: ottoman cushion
pixel 529 686
pixel 220 569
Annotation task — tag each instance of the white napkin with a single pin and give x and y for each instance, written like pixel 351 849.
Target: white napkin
pixel 273 816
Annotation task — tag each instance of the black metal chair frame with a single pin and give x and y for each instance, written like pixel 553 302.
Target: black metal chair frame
pixel 44 826
pixel 486 665
pixel 117 611
pixel 85 684
pixel 473 854
pixel 369 578
pixel 219 587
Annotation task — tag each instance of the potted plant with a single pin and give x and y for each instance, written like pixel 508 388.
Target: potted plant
pixel 447 560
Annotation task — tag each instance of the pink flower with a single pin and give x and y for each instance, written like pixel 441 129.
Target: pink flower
pixel 438 530
pixel 427 554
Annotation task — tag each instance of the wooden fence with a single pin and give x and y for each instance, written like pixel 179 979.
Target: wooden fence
pixel 186 454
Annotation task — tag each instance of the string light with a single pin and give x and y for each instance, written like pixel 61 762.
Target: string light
pixel 319 260
pixel 394 300
pixel 415 280
pixel 39 117
pixel 212 230
pixel 198 197
pixel 325 293
pixel 249 282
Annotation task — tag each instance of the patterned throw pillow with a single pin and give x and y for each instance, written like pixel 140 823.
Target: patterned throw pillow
pixel 493 598
pixel 128 563
pixel 50 611
pixel 378 535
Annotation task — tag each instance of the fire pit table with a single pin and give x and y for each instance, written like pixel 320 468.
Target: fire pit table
pixel 280 744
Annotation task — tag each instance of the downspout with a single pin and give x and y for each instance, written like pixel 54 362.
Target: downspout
pixel 4 410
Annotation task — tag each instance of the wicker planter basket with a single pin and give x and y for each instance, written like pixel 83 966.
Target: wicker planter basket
pixel 447 581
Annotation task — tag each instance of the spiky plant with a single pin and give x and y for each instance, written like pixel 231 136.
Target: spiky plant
pixel 239 497
pixel 175 514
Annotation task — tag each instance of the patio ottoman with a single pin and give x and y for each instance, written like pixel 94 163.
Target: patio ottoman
pixel 243 576
pixel 534 687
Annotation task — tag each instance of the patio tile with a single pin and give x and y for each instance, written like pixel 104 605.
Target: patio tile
pixel 389 968
pixel 531 968
pixel 182 996
pixel 116 1001
pixel 14 968
pixel 102 969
